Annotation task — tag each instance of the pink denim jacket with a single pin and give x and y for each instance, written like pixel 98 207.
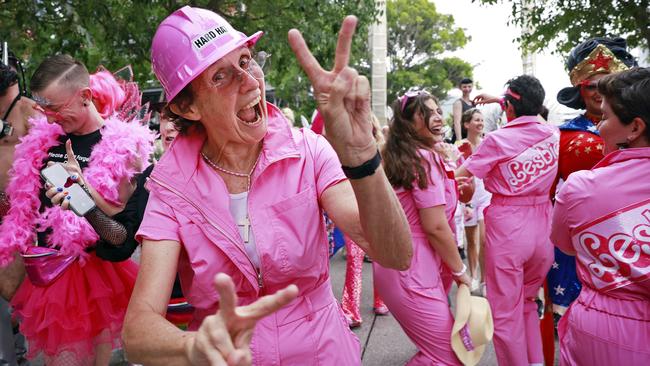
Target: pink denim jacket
pixel 189 203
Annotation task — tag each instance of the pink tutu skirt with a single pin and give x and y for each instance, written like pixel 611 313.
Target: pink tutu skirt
pixel 78 311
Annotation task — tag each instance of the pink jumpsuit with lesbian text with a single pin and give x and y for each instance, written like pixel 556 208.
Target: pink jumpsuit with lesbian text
pixel 603 216
pixel 416 297
pixel 518 165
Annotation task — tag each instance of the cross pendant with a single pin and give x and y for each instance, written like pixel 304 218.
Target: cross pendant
pixel 246 226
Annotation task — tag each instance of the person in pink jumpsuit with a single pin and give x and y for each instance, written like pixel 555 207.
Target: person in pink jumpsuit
pixel 450 158
pixel 518 164
pixel 602 216
pixel 416 297
pixel 241 193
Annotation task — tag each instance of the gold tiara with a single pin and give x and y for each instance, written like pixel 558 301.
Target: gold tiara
pixel 600 61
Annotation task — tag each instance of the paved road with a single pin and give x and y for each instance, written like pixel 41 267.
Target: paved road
pixel 384 343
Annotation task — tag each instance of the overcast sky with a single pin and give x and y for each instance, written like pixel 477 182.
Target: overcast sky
pixel 493 51
pixel 496 56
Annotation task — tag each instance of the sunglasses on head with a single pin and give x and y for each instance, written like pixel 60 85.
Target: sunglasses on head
pixel 503 102
pixel 408 95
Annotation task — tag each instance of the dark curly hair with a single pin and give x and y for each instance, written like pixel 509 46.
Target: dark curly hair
pixel 628 93
pixel 531 94
pixel 403 163
pixel 8 77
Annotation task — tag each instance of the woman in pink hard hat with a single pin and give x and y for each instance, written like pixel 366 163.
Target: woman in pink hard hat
pixel 226 197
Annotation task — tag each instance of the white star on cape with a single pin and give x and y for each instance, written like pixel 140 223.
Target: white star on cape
pixel 559 290
pixel 592 128
pixel 555 265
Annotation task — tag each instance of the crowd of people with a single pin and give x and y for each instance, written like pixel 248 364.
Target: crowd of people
pixel 217 253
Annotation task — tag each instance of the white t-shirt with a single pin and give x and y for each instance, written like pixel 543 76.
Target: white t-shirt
pixel 239 212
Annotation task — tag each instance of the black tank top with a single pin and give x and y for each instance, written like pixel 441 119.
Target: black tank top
pixel 463 130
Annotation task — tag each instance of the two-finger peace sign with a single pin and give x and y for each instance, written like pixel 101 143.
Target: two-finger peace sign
pixel 320 78
pixel 343 97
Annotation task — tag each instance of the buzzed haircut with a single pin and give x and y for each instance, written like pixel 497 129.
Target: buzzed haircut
pixel 60 68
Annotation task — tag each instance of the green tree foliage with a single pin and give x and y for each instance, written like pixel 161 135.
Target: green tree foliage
pixel 418 37
pixel 569 22
pixel 115 33
pixel 319 21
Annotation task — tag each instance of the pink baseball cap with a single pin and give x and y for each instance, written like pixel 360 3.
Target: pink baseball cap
pixel 187 42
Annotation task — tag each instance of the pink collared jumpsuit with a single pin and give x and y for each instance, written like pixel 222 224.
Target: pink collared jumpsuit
pixel 603 215
pixel 189 203
pixel 416 297
pixel 518 165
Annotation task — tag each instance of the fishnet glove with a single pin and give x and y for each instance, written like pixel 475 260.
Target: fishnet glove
pixel 4 204
pixel 108 229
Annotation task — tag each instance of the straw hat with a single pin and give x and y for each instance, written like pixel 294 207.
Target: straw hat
pixel 473 327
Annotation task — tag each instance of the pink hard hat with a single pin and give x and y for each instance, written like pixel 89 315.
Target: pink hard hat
pixel 187 42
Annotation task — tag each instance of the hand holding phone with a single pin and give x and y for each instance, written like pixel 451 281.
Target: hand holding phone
pixel 65 191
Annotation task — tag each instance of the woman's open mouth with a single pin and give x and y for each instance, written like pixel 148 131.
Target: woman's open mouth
pixel 251 114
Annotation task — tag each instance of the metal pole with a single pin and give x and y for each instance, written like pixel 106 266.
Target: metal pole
pixel 378 42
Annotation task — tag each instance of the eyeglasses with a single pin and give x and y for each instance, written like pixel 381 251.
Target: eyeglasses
pixel 225 76
pixel 45 106
pixel 408 95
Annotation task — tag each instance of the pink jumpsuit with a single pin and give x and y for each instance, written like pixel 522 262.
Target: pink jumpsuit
pixel 518 165
pixel 189 203
pixel 416 297
pixel 603 215
pixel 451 207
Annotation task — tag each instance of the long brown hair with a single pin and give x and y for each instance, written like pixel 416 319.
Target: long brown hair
pixel 403 163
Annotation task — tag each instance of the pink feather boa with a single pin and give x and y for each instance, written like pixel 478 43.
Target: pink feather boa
pixel 121 153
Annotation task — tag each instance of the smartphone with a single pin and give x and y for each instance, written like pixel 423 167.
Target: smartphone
pixel 80 201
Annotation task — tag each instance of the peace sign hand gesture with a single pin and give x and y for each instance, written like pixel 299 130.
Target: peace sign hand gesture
pixel 224 338
pixel 343 97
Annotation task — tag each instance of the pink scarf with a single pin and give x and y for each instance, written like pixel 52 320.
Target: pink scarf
pixel 121 153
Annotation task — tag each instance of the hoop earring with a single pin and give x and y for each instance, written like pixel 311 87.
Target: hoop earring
pixel 623 145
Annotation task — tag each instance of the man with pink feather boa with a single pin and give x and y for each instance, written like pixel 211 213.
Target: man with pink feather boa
pixel 72 312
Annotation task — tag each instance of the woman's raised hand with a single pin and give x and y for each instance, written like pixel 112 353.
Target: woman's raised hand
pixel 342 95
pixel 224 338
pixel 484 98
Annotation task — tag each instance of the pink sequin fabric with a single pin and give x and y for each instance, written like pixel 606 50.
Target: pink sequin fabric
pixel 351 299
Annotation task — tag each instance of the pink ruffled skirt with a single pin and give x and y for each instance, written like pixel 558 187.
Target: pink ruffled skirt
pixel 80 310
